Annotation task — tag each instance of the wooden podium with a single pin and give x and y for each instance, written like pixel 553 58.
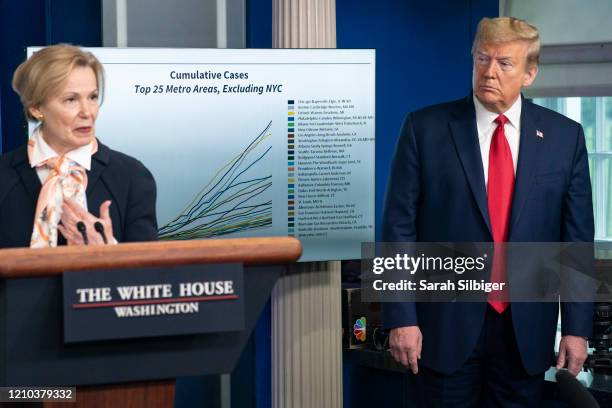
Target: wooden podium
pixel 136 372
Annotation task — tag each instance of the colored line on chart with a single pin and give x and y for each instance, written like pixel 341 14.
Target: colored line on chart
pixel 233 200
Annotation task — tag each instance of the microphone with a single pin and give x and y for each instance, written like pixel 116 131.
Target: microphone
pixel 100 228
pixel 573 392
pixel 83 230
pixel 380 339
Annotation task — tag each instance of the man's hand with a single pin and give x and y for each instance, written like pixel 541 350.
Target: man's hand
pixel 72 213
pixel 405 344
pixel 573 350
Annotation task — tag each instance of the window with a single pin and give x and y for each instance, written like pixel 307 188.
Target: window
pixel 595 115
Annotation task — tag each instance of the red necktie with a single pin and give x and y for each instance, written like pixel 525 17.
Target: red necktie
pixel 499 192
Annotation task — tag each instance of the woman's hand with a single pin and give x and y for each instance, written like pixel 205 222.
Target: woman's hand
pixel 72 213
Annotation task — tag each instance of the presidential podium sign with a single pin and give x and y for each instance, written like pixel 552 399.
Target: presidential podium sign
pixel 33 349
pixel 153 301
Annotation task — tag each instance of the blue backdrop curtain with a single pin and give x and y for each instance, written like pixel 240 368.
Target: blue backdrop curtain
pixel 27 23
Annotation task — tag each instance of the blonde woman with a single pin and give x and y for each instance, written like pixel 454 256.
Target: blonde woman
pixel 64 186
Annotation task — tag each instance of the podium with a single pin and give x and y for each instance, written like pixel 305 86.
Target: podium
pixel 138 372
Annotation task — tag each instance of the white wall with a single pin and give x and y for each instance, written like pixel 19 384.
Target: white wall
pixel 566 21
pixel 176 23
pixel 576 35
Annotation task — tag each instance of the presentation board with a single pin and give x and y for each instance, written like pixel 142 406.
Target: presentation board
pixel 249 142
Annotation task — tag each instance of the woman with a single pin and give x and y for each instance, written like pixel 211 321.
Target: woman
pixel 59 187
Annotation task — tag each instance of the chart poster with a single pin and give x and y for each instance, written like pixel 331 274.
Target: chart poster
pixel 250 142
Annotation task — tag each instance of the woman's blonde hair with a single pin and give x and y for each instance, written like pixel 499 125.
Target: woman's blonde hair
pixel 508 29
pixel 47 69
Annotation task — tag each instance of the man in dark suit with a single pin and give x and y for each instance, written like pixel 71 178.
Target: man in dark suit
pixel 113 176
pixel 490 167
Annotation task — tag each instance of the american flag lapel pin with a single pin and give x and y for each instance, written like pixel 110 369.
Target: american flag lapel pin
pixel 540 134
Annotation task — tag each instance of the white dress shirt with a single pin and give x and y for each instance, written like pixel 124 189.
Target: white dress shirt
pixel 42 151
pixel 485 121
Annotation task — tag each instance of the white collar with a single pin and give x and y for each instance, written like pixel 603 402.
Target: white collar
pixel 485 118
pixel 42 152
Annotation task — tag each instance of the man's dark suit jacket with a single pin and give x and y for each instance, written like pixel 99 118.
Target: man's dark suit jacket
pixel 436 193
pixel 113 176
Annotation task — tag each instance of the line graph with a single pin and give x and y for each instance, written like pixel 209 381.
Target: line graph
pixel 234 199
